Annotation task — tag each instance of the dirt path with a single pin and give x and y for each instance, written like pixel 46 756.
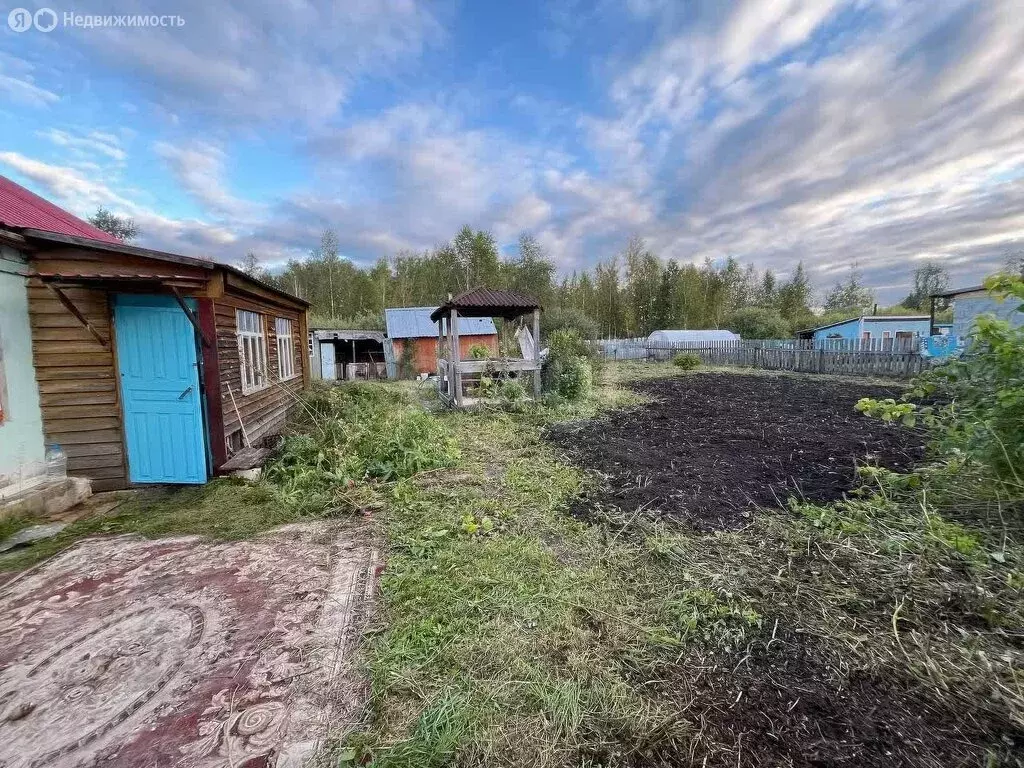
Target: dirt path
pixel 183 652
pixel 713 446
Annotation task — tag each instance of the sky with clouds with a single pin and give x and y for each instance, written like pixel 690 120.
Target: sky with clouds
pixel 876 132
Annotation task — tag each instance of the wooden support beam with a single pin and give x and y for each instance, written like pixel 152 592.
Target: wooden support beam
pixel 70 307
pixel 191 317
pixel 456 357
pixel 536 353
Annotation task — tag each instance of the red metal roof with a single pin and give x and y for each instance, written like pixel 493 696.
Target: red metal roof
pixel 20 208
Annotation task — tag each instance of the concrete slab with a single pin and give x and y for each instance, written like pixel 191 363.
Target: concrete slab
pixel 184 652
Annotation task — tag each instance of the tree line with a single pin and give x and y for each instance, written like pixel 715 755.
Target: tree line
pixel 634 292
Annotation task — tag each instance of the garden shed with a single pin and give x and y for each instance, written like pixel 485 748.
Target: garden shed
pixel 414 336
pixel 485 304
pixel 349 355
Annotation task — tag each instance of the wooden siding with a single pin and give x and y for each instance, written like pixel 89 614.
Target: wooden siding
pixel 78 383
pixel 424 356
pixel 265 411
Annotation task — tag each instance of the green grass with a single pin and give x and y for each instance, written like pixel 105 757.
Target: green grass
pixel 345 441
pixel 223 508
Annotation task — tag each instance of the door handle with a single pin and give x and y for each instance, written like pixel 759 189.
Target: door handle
pixel 187 390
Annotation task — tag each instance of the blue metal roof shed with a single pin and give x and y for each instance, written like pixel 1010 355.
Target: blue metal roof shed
pixel 415 323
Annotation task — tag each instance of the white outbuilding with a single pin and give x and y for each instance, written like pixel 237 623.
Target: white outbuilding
pixel 691 336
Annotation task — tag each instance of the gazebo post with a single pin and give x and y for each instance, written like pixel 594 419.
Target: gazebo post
pixel 456 356
pixel 536 353
pixel 440 350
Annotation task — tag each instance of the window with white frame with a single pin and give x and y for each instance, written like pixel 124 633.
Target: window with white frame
pixel 285 349
pixel 252 350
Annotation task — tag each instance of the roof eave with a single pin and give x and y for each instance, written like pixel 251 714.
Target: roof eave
pixel 148 253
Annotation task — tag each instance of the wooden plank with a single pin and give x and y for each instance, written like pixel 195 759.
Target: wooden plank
pixel 95 379
pixel 247 458
pixel 235 284
pixel 68 347
pixel 80 410
pixel 47 326
pixel 64 360
pixel 77 450
pixel 99 473
pixel 74 310
pixel 114 484
pixel 99 461
pixel 51 399
pixel 61 426
pixel 83 438
pixel 211 384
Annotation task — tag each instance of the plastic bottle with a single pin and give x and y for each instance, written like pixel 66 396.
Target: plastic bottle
pixel 56 461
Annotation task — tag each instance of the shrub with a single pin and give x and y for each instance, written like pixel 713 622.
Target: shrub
pixel 972 409
pixel 354 433
pixel 512 390
pixel 686 361
pixel 564 347
pixel 479 352
pixel 575 379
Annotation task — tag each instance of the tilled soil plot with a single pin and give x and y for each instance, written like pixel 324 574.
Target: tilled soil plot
pixel 713 447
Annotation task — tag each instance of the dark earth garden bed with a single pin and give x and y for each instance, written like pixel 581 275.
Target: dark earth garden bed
pixel 712 447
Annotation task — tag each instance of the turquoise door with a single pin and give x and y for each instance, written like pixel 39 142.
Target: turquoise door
pixel 163 419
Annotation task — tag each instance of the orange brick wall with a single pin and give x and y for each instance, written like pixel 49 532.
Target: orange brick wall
pixel 424 354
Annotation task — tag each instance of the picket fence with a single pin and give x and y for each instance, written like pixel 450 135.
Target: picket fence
pixel 850 358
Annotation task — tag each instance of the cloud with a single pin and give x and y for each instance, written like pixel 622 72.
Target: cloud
pixel 830 131
pixel 95 143
pixel 891 141
pixel 18 84
pixel 199 168
pixel 66 186
pixel 261 60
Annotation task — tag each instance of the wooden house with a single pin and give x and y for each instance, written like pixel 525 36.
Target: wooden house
pixel 151 367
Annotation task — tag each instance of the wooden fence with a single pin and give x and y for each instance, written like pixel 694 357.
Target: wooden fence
pixel 854 358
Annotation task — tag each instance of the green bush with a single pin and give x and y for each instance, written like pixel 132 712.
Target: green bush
pixel 565 348
pixel 512 390
pixel 575 379
pixel 687 361
pixel 351 434
pixel 479 352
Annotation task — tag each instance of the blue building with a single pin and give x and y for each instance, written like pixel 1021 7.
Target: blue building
pixel 968 303
pixel 872 332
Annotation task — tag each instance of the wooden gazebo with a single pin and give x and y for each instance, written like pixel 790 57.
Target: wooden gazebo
pixel 481 302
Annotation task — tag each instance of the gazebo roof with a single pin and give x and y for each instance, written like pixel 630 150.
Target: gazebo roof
pixel 483 302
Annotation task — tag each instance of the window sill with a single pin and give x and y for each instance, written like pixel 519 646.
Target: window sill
pixel 254 390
